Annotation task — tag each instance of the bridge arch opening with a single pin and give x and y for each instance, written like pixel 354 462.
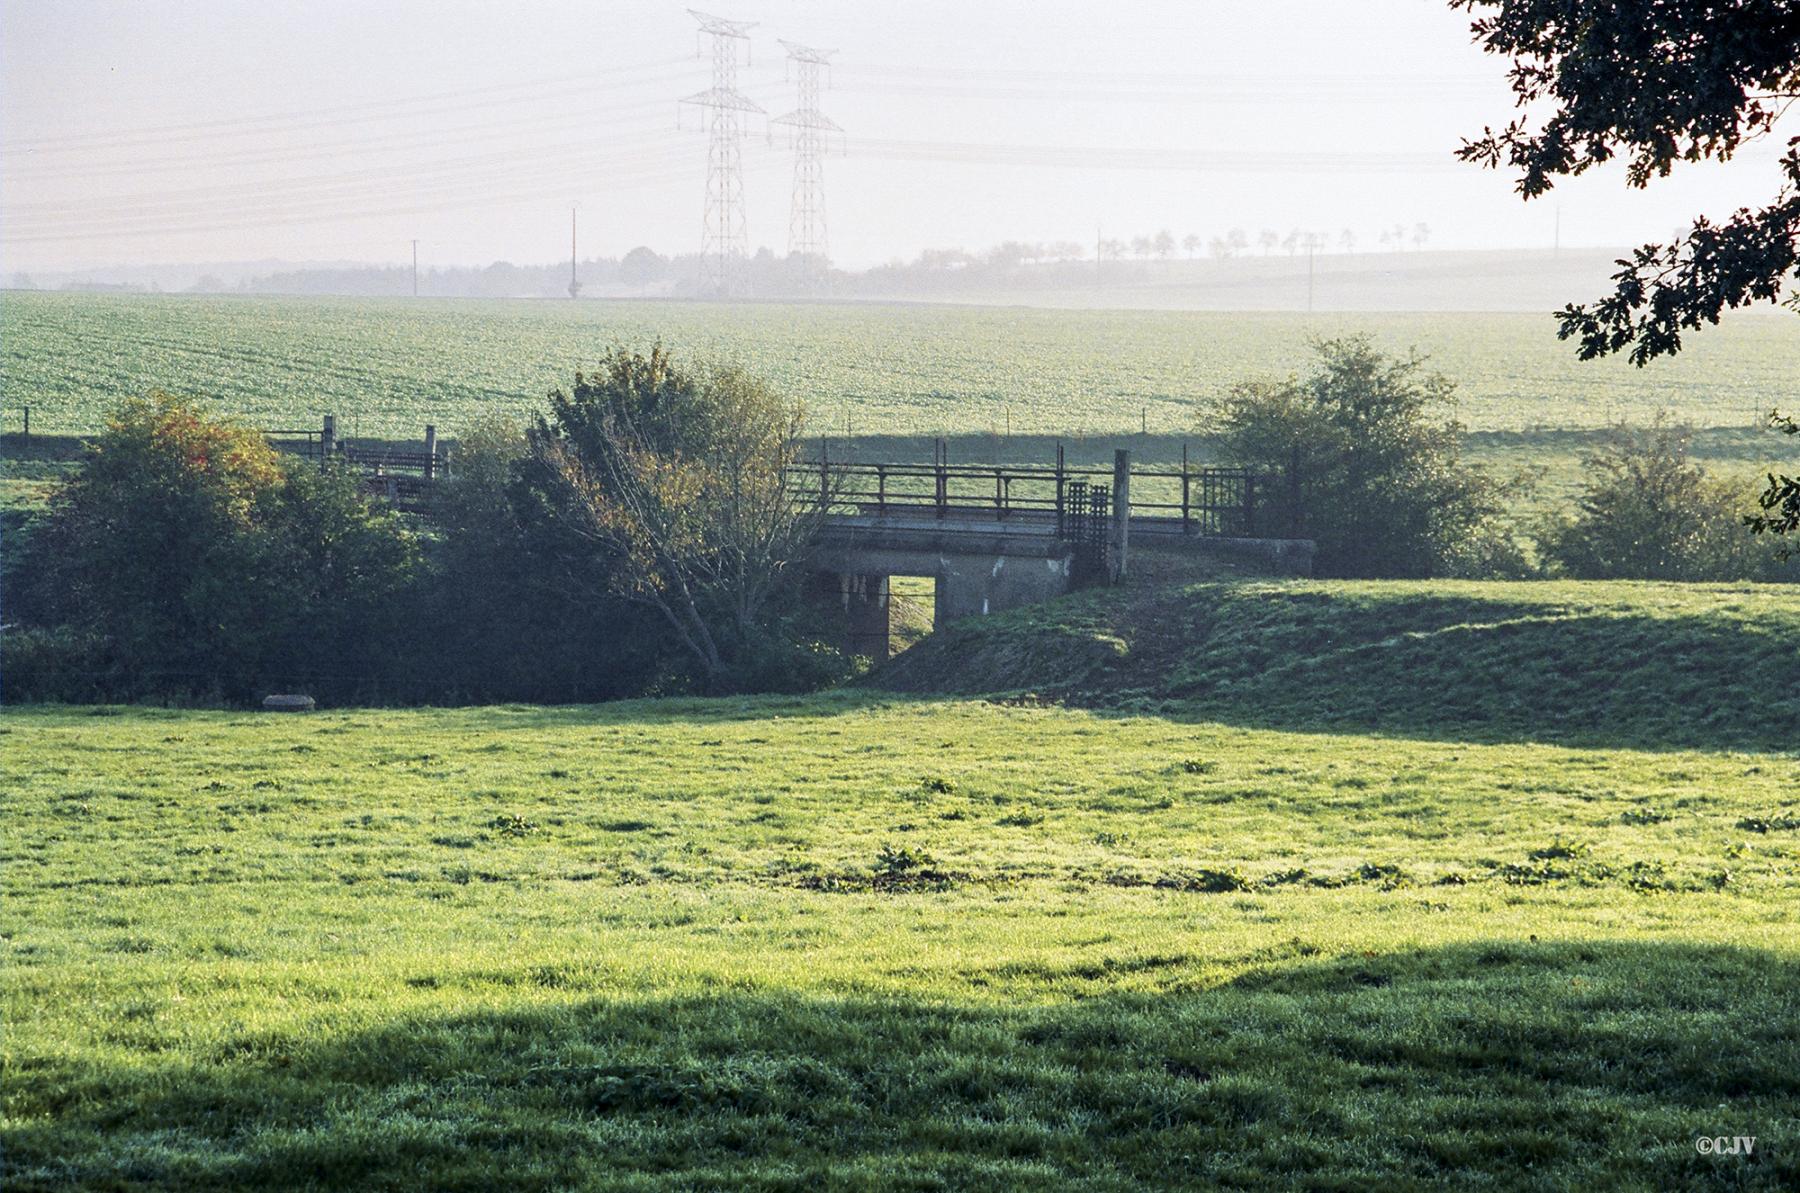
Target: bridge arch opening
pixel 912 610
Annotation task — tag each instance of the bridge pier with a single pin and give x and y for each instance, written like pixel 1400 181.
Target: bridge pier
pixel 976 572
pixel 973 585
pixel 866 611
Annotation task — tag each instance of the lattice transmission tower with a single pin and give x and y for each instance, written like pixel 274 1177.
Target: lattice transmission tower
pixel 807 232
pixel 723 242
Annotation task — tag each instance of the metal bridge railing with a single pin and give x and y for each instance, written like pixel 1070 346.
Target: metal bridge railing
pixel 1184 499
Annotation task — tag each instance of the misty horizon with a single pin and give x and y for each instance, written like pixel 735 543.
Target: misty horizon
pixel 137 134
pixel 1417 279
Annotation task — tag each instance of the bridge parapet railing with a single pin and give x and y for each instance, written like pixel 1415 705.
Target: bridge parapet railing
pixel 1179 499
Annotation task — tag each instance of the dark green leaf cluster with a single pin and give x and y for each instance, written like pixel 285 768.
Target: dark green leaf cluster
pixel 1780 501
pixel 1657 82
pixel 1362 456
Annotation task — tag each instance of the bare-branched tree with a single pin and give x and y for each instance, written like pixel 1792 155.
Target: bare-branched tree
pixel 683 479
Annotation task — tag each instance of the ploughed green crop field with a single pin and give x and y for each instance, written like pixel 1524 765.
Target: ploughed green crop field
pixel 1487 886
pixel 387 367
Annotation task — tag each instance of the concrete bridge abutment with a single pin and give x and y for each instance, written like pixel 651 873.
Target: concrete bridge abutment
pixel 974 574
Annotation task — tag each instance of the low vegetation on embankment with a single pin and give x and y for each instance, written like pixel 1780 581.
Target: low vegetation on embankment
pixel 1315 902
pixel 1600 663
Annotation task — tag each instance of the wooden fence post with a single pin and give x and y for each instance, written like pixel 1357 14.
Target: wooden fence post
pixel 942 453
pixel 1061 526
pixel 1184 489
pixel 1121 512
pixel 28 423
pixel 327 439
pixel 430 452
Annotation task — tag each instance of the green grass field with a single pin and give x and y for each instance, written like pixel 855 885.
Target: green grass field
pixel 1349 914
pixel 387 367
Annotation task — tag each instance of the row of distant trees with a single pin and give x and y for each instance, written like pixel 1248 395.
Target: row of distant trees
pixel 643 271
pixel 1164 246
pixel 1237 241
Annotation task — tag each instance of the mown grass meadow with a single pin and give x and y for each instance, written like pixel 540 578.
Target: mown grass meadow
pixel 1233 936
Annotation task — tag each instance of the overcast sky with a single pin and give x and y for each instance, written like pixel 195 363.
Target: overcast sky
pixel 161 131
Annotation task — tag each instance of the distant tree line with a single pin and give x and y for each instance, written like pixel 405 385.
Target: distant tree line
pixel 643 272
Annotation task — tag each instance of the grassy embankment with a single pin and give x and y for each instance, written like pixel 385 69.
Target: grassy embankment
pixel 1478 886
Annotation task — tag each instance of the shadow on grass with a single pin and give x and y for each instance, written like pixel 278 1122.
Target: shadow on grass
pixel 1443 667
pixel 1499 1064
pixel 1630 666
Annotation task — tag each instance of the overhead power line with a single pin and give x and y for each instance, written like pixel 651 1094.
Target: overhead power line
pixel 336 213
pixel 1107 157
pixel 497 164
pixel 336 116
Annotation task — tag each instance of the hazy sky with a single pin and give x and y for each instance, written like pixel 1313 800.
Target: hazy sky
pixel 159 131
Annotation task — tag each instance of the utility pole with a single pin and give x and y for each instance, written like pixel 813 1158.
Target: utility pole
pixel 574 285
pixel 1556 241
pixel 1311 247
pixel 415 245
pixel 807 234
pixel 723 241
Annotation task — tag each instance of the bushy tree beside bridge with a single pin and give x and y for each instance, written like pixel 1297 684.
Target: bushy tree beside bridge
pixel 679 479
pixel 187 556
pixel 1363 455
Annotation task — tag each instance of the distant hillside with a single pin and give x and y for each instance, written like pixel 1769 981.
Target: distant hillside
pixel 1621 664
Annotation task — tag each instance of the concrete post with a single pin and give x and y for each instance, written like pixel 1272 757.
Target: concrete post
pixel 866 610
pixel 1121 510
pixel 430 451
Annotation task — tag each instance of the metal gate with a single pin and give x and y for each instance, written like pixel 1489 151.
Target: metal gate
pixel 1086 526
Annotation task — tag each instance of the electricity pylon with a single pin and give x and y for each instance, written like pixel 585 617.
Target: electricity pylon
pixel 723 241
pixel 807 232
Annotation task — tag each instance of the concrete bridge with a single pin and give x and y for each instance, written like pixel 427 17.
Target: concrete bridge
pixel 995 537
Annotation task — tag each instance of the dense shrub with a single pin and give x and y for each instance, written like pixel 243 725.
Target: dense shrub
pixel 1361 456
pixel 1648 512
pixel 57 663
pixel 186 560
pixel 523 606
pixel 192 559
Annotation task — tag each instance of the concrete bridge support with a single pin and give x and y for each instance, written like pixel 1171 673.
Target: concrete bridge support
pixel 974 573
pixel 866 611
pixel 976 585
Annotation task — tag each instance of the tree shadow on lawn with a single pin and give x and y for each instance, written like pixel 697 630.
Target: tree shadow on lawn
pixel 1641 667
pixel 1500 1063
pixel 1601 679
